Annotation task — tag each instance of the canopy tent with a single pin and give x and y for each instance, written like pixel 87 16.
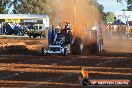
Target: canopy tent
pixel 130 23
pixel 118 22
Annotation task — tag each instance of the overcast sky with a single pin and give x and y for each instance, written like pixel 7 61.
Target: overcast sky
pixel 112 5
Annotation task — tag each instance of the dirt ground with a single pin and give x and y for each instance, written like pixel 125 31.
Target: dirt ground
pixel 20 67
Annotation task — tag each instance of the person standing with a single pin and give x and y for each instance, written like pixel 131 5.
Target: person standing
pixel 50 35
pixel 120 31
pixel 0 28
pixel 128 30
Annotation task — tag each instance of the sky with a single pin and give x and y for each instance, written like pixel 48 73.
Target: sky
pixel 112 5
pixel 109 5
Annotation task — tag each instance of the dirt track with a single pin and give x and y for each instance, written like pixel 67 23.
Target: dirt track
pixel 29 71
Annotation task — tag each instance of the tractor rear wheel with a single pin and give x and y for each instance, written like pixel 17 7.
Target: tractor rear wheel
pixel 75 47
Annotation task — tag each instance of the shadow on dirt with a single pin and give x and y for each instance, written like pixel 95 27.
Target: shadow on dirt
pixel 23 50
pixel 115 54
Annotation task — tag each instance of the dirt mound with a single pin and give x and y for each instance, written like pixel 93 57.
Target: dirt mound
pixel 21 46
pixel 14 49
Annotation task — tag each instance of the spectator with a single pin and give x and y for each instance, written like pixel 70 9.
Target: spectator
pixel 120 31
pixel 0 28
pixel 16 29
pixel 50 35
pixel 128 30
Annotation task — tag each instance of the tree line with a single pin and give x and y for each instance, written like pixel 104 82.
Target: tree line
pixel 129 4
pixel 41 7
pixel 24 6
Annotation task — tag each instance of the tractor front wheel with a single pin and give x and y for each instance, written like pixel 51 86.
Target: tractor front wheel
pixel 43 53
pixel 65 51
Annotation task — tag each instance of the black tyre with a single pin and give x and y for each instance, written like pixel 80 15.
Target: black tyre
pixel 15 32
pixel 21 33
pixel 43 51
pixel 29 36
pixel 65 51
pixel 9 31
pixel 40 34
pixel 75 47
pixel 43 35
pixel 34 36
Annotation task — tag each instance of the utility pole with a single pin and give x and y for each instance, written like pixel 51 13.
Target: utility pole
pixel 75 12
pixel 58 11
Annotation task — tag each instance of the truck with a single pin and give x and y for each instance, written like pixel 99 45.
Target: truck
pixel 37 31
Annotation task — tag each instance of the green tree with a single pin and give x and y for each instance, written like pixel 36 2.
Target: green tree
pixel 129 4
pixel 30 6
pixel 3 5
pixel 100 9
pixel 110 17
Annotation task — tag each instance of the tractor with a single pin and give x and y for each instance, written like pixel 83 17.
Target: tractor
pixel 60 43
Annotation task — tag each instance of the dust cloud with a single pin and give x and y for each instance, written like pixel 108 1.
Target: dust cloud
pixel 80 13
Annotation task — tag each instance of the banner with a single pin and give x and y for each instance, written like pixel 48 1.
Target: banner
pixel 13 20
pixel 124 16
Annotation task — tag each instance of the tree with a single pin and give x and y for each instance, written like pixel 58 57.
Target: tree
pixel 129 4
pixel 3 5
pixel 110 17
pixel 100 9
pixel 102 14
pixel 29 6
pixel 123 10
